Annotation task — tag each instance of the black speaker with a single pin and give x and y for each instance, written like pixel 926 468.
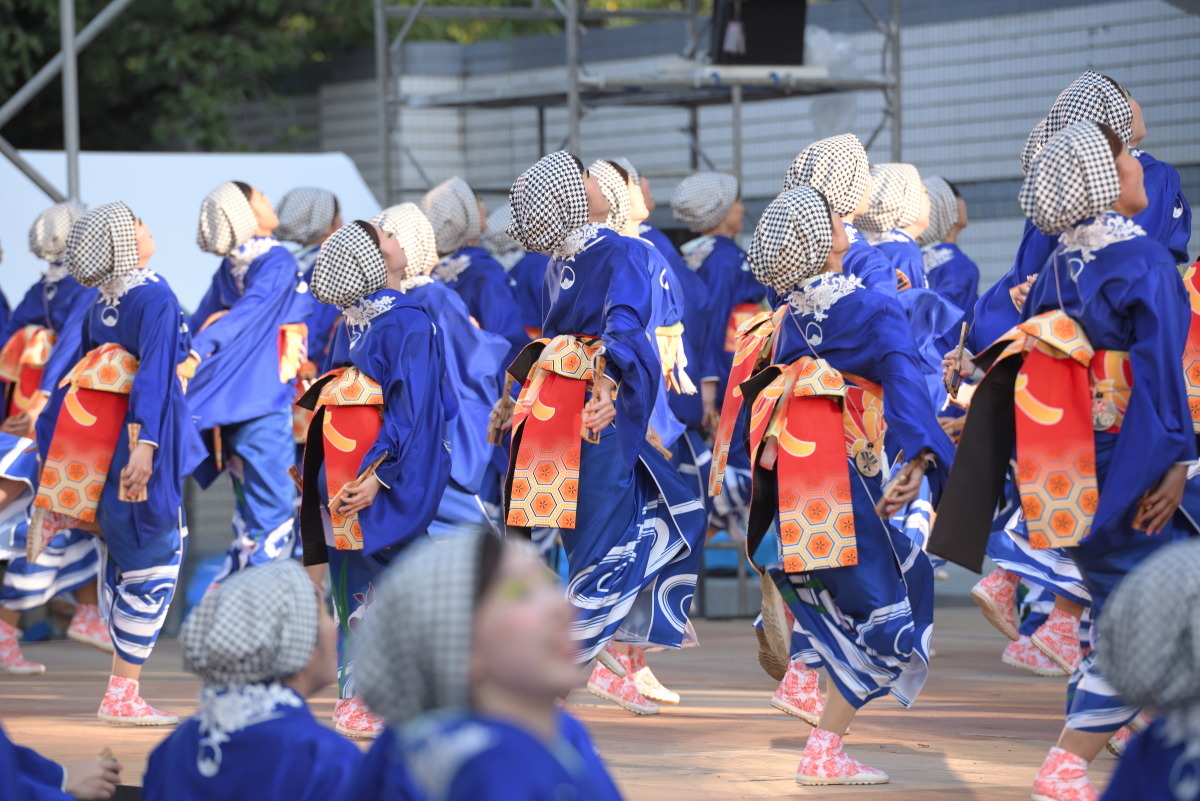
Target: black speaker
pixel 772 31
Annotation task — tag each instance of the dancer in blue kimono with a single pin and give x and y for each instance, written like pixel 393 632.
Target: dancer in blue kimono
pixel 48 319
pixel 118 430
pixel 263 644
pixel 526 269
pixel 948 270
pixel 29 776
pixel 860 592
pixel 308 216
pixel 473 363
pixel 1112 288
pixel 466 660
pixel 456 215
pixel 250 337
pixel 897 213
pixel 631 526
pixel 376 463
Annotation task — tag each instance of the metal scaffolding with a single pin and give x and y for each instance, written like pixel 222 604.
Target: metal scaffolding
pixel 689 83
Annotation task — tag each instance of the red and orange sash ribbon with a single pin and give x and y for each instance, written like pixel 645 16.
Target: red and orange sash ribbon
pixel 547 426
pixel 741 314
pixel 293 350
pixel 21 363
pixel 755 342
pixel 1191 350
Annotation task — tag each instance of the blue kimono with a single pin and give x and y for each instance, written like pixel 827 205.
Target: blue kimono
pixel 625 582
pixel 878 639
pixel 323 317
pixel 1168 217
pixel 143 540
pixel 903 253
pixel 49 304
pixel 481 282
pixel 660 240
pixel 282 754
pixel 1154 767
pixel 484 759
pixel 26 775
pixel 952 275
pixel 526 277
pixel 666 310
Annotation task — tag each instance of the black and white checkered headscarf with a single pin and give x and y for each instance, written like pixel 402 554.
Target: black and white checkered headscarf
pixel 349 267
pixel 702 200
pixel 226 220
pixel 895 200
pixel 837 166
pixel 255 627
pixel 616 191
pixel 627 165
pixel 495 234
pixel 305 213
pixel 1074 177
pixel 414 233
pixel 48 236
pixel 453 210
pixel 792 240
pixel 1151 634
pixel 413 651
pixel 943 211
pixel 1092 97
pixel 102 245
pixel 548 202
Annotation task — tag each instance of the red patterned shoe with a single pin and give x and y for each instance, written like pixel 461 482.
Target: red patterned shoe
pixel 647 683
pixel 621 691
pixel 1058 638
pixel 1063 777
pixel 87 627
pixel 11 659
pixel 799 694
pixel 123 705
pixel 352 719
pixel 1116 744
pixel 996 595
pixel 1024 656
pixel 824 762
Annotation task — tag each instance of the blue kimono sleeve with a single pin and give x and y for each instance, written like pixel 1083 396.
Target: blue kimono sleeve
pixel 498 312
pixel 66 350
pixel 40 778
pixel 30 311
pixel 957 282
pixel 873 269
pixel 211 303
pixel 907 407
pixel 321 322
pixel 995 313
pixel 1167 216
pixel 265 284
pixel 1145 769
pixel 158 345
pixel 632 361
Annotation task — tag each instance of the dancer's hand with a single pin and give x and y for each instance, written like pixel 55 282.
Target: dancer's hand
pixel 770 453
pixel 906 488
pixel 1020 292
pixel 502 411
pixel 136 474
pixel 600 410
pixel 710 415
pixel 359 495
pixel 1156 506
pixel 966 365
pixel 97 779
pixel 17 425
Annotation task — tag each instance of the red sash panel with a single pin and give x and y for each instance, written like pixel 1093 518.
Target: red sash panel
pixel 741 314
pixel 21 363
pixel 81 452
pixel 348 433
pixel 1191 350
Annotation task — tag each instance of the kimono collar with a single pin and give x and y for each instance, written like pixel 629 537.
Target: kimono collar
pixel 244 255
pixel 509 260
pixel 697 251
pixel 113 290
pixel 935 256
pixel 880 237
pixel 819 294
pixel 1097 233
pixel 225 711
pixel 580 240
pixel 360 314
pixel 55 272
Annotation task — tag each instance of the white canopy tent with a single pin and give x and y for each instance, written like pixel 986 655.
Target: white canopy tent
pixel 165 190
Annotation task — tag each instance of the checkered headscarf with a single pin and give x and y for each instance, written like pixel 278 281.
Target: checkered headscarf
pixel 414 650
pixel 495 235
pixel 414 233
pixel 627 165
pixel 226 220
pixel 349 267
pixel 616 191
pixel 1091 97
pixel 792 240
pixel 48 236
pixel 255 627
pixel 1073 177
pixel 1150 632
pixel 943 211
pixel 102 245
pixel 702 200
pixel 305 213
pixel 453 210
pixel 548 202
pixel 837 166
pixel 895 200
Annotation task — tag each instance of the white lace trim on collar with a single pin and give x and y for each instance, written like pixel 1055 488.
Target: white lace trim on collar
pixel 226 711
pixel 697 251
pixel 887 236
pixel 55 272
pixel 579 240
pixel 362 313
pixel 113 290
pixel 449 268
pixel 1088 238
pixel 935 256
pixel 241 258
pixel 818 294
pixel 509 260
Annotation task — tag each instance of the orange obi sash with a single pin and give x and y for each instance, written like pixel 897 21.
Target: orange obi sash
pixel 348 409
pixel 548 429
pixel 21 363
pixel 755 342
pixel 802 406
pixel 674 360
pixel 902 281
pixel 86 432
pixel 741 314
pixel 864 425
pixel 1191 350
pixel 293 350
pixel 1112 383
pixel 1055 422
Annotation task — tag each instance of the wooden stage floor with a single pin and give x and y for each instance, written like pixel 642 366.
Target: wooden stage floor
pixel 979 730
